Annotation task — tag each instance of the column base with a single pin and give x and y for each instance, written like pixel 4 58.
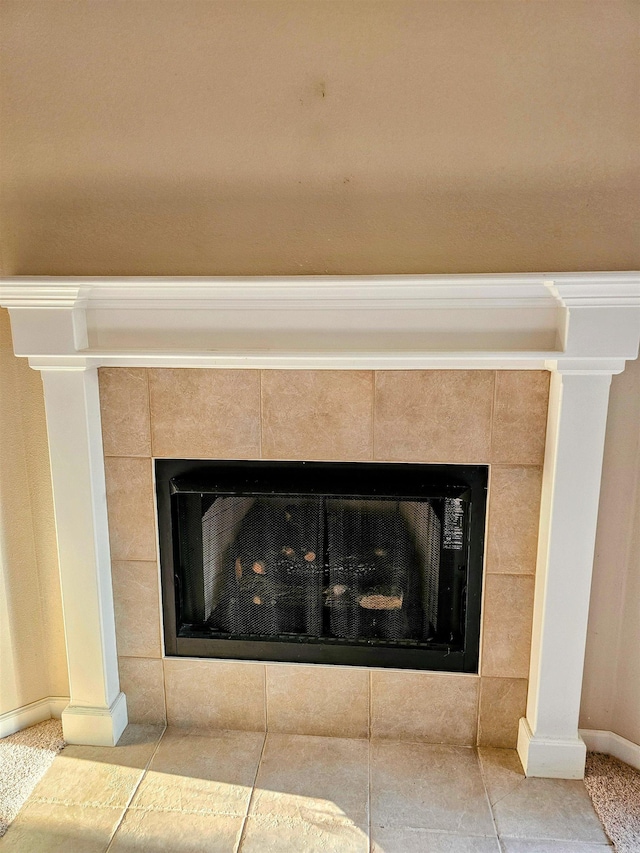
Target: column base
pixel 551 758
pixel 95 726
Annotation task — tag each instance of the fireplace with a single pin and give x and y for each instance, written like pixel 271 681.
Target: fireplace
pixel 371 370
pixel 361 564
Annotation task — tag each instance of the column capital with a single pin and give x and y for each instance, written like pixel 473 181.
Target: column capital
pixel 586 366
pixel 61 364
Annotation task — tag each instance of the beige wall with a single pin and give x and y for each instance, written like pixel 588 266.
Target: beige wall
pixel 611 689
pixel 325 136
pixel 32 652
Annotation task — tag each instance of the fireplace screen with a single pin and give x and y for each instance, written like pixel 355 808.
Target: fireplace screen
pixel 338 563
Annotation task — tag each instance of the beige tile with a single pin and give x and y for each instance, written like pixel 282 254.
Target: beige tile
pixel 558 809
pixel 410 840
pixel 140 740
pixel 428 786
pixel 124 409
pixel 505 781
pixel 142 682
pixel 52 828
pixel 130 505
pixel 424 707
pixel 205 413
pixel 520 417
pixel 312 779
pixel 215 694
pixel 514 515
pixel 317 414
pixel 176 832
pixel 502 703
pixel 540 845
pixel 210 772
pixel 267 834
pixel 99 776
pixel 134 749
pixel 501 770
pixel 136 601
pixel 507 621
pixel 317 700
pixel 433 415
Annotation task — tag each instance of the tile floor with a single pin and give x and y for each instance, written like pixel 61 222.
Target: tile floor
pixel 194 791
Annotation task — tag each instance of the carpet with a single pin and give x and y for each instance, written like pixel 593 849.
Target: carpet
pixel 24 758
pixel 614 788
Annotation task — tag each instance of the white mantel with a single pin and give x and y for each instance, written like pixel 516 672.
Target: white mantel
pixel 582 327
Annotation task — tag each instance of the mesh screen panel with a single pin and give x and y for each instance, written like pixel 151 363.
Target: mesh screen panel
pixel 318 567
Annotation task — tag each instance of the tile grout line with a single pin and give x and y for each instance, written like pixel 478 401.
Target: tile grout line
pixel 494 399
pixel 164 680
pixel 369 787
pixel 266 699
pixel 478 700
pixel 135 790
pixel 373 415
pixel 260 413
pixel 369 699
pixel 157 559
pixel 250 800
pixel 149 408
pixel 488 798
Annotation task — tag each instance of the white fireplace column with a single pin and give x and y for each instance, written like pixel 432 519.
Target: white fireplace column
pixel 548 740
pixel 97 712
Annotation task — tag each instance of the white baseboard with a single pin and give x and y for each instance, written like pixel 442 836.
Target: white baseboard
pixel 612 744
pixel 29 715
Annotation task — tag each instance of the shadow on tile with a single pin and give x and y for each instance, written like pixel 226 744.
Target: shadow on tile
pixel 518 845
pixel 428 786
pixel 537 809
pixel 411 840
pixel 313 779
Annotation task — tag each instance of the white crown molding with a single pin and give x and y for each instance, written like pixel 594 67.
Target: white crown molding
pixel 523 321
pixel 499 290
pixel 614 289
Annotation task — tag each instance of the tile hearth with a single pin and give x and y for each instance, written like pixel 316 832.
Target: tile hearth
pixel 196 790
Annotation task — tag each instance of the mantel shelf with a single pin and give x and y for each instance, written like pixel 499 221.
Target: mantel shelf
pixel 402 322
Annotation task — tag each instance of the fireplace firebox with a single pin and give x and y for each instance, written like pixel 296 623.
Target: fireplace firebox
pixel 366 564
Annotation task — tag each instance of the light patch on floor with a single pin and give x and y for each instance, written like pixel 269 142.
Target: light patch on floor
pixel 189 790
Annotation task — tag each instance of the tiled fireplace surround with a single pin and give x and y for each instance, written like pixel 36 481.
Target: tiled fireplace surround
pixel 463 416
